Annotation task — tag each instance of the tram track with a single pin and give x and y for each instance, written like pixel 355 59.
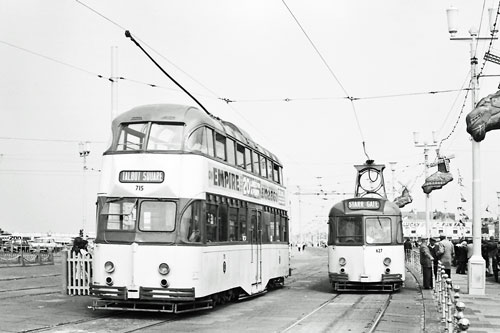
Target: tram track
pixel 309 314
pixel 324 319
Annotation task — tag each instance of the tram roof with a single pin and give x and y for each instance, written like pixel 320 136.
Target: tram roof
pixel 192 117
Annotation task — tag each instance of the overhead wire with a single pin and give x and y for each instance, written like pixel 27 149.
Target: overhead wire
pixel 148 46
pixel 332 73
pixel 47 140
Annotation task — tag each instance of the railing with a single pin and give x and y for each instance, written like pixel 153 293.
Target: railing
pixel 23 258
pixel 77 273
pixel 446 295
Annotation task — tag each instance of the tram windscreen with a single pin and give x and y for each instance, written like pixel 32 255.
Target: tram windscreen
pixel 349 230
pixel 165 137
pixel 157 216
pixel 132 136
pixel 119 214
pixel 378 230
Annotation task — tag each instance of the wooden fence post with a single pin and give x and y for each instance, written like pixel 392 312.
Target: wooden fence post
pixel 64 266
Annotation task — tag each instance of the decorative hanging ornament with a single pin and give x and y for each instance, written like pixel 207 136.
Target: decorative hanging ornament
pixel 440 178
pixel 404 199
pixel 485 117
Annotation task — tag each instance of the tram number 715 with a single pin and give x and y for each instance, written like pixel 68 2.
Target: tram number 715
pixel 139 187
pixel 378 250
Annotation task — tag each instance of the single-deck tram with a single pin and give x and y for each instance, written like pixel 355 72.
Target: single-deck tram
pixel 365 239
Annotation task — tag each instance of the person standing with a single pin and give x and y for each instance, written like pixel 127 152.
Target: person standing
pixel 448 255
pixel 426 263
pixel 492 248
pixel 407 247
pixel 437 251
pixel 461 257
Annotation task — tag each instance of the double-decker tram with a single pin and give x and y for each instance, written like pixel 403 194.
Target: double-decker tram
pixel 365 239
pixel 190 213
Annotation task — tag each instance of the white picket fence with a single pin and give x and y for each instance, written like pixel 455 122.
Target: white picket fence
pixel 77 273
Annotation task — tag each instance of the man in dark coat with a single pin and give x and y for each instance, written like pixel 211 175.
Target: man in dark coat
pixel 426 263
pixel 407 246
pixel 461 257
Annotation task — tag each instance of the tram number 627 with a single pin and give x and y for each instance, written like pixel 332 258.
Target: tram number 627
pixel 378 250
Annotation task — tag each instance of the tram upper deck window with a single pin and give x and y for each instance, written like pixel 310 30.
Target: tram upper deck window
pixel 230 152
pixel 349 230
pixel 157 216
pixel 210 142
pixel 132 137
pixel 220 146
pixel 165 137
pixel 276 173
pixel 198 141
pixel 263 167
pixel 248 159
pixel 378 230
pixel 240 156
pixel 269 169
pixel 256 163
pixel 118 214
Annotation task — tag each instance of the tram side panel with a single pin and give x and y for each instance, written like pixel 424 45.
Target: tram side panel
pixel 208 270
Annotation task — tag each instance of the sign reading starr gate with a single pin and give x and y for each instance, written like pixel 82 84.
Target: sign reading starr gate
pixel 138 176
pixel 363 204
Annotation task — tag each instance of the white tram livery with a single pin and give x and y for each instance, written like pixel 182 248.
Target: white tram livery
pixel 190 213
pixel 365 240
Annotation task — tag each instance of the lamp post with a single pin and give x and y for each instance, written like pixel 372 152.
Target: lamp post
pixel 426 145
pixel 477 266
pixel 84 148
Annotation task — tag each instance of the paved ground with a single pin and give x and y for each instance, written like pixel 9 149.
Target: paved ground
pixel 482 311
pixel 403 315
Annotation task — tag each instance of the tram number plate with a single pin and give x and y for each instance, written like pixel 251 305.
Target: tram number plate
pixel 378 250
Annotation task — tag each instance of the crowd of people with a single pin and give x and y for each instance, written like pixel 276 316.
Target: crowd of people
pixel 451 254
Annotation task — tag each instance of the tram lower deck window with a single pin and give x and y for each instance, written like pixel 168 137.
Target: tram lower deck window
pixel 349 230
pixel 378 230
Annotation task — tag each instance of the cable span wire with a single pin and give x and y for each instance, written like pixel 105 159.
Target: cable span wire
pixel 55 60
pixel 84 70
pixel 467 78
pixel 48 140
pixel 332 73
pixel 148 46
pixel 293 99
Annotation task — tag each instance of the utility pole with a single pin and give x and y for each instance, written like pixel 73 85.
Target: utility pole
pixel 426 147
pixel 84 148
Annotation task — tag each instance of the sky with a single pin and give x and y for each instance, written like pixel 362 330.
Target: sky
pixel 288 68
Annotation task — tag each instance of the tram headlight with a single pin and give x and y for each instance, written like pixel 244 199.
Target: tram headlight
pixel 109 267
pixel 163 269
pixel 342 261
pixel 387 261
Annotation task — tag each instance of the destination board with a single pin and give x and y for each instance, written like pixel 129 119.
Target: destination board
pixel 138 176
pixel 363 204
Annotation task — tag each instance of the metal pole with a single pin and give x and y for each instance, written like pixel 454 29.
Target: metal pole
pixel 477 266
pixel 114 81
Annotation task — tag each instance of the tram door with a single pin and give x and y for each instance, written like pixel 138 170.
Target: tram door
pixel 256 242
